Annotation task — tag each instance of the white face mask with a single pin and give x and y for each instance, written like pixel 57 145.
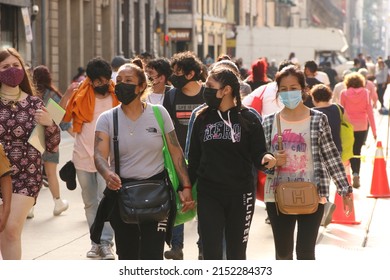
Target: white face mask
pixel 291 98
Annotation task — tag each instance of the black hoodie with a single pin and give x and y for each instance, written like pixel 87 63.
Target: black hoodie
pixel 215 161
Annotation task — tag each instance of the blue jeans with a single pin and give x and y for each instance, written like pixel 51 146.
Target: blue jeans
pixel 178 236
pixel 92 186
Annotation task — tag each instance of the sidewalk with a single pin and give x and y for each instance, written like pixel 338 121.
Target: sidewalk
pixel 66 237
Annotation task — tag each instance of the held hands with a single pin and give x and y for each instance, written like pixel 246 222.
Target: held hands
pixel 43 117
pixel 113 181
pixel 281 158
pixel 268 161
pixel 186 200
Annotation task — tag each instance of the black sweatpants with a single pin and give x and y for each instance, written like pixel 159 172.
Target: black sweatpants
pixel 360 139
pixel 143 241
pixel 283 227
pixel 381 89
pixel 230 213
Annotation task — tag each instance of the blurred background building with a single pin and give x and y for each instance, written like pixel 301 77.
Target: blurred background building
pixel 65 34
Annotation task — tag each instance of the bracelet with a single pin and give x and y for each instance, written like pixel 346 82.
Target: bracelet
pixel 187 187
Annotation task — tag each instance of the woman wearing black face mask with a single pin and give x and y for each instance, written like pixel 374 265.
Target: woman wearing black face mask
pixel 140 150
pixel 83 108
pixel 226 141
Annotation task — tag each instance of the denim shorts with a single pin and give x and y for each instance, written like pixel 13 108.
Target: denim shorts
pixel 51 157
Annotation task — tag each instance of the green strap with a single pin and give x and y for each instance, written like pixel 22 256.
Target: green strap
pixel 341 113
pixel 160 121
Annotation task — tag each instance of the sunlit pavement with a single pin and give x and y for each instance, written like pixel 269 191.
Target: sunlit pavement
pixel 66 237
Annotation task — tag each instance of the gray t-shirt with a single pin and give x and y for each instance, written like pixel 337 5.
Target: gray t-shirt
pixel 140 141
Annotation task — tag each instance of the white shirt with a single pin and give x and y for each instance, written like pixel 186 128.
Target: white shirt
pixel 271 104
pixel 322 77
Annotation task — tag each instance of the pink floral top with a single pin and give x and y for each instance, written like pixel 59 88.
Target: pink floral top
pixel 16 125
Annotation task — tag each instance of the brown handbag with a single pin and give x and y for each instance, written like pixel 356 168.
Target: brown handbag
pixel 294 198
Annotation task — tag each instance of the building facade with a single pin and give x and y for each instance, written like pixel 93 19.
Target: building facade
pixel 66 34
pixel 14 31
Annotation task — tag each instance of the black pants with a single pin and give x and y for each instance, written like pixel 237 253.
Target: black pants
pixel 221 213
pixel 360 139
pixel 143 241
pixel 283 227
pixel 381 89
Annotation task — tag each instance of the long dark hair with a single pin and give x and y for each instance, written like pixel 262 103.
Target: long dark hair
pixel 226 77
pixel 293 70
pixel 43 80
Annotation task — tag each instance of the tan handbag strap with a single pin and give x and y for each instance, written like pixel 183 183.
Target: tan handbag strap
pixel 280 138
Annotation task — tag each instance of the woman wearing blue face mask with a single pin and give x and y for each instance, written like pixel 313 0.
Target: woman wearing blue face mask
pixel 226 141
pixel 309 154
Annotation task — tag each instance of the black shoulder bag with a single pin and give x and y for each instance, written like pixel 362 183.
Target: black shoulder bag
pixel 141 201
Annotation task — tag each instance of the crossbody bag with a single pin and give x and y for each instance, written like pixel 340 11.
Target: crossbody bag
pixel 141 201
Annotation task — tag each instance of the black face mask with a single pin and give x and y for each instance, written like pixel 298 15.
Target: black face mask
pixel 178 81
pixel 210 97
pixel 125 93
pixel 101 89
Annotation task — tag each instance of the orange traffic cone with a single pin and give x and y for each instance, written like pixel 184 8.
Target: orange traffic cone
pixel 379 183
pixel 339 217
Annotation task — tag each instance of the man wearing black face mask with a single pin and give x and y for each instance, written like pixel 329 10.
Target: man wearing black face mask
pixel 94 96
pixel 180 102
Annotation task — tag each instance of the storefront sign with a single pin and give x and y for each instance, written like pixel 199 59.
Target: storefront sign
pixel 180 34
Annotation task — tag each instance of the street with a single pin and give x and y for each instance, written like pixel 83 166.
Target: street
pixel 66 237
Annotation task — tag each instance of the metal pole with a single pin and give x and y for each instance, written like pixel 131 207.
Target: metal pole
pixel 165 26
pixel 387 144
pixel 201 55
pixel 364 243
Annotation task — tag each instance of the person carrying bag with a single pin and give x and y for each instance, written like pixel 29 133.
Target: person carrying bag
pixel 138 202
pixel 294 198
pixel 305 156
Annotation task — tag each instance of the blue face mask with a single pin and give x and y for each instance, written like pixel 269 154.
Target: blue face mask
pixel 291 98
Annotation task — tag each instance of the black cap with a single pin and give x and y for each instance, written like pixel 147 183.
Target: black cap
pixel 68 175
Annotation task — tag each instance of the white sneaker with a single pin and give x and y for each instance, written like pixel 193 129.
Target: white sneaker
pixel 30 214
pixel 106 252
pixel 60 205
pixel 94 252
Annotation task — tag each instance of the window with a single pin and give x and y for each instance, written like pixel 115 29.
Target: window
pixel 9 26
pixel 180 6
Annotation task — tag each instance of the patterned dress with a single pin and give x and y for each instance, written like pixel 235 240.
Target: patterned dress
pixel 16 125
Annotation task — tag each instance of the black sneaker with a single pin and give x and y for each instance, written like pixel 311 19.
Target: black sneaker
pixel 383 111
pixel 267 221
pixel 174 254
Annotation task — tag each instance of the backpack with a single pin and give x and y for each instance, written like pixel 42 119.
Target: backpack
pixel 347 137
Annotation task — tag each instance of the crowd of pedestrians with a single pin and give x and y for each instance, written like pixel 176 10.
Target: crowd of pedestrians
pixel 215 114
